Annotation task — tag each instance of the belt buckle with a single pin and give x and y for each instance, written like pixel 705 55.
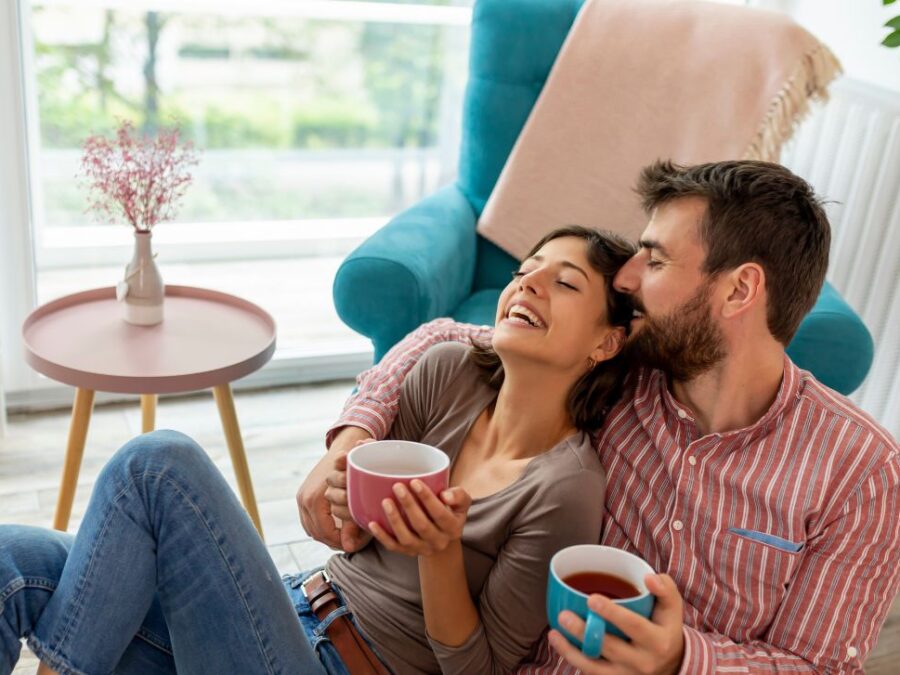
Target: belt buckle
pixel 325 577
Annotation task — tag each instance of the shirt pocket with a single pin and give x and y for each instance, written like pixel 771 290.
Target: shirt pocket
pixel 752 571
pixel 775 541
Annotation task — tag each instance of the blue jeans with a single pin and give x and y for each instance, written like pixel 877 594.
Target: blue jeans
pixel 166 574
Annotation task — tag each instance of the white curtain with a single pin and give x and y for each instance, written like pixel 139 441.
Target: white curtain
pixel 16 251
pixel 2 408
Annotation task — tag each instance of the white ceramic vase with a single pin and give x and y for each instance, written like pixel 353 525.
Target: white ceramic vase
pixel 142 289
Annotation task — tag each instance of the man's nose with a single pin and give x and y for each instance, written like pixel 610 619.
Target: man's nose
pixel 627 279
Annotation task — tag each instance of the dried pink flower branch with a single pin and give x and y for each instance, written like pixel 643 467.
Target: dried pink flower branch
pixel 139 177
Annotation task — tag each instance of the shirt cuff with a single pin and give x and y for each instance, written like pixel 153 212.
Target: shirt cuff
pixel 363 414
pixel 698 657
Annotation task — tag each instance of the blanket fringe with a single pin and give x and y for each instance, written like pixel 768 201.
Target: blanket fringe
pixel 809 81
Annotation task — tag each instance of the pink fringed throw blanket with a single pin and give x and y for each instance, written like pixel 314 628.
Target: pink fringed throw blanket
pixel 638 80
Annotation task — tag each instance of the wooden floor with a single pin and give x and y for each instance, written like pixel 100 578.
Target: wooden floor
pixel 283 431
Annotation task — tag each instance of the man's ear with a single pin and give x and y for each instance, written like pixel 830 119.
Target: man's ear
pixel 611 345
pixel 745 287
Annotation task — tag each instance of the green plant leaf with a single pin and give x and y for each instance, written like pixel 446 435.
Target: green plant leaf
pixel 892 40
pixel 889 2
pixel 893 23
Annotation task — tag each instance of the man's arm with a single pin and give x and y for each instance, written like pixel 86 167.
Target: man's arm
pixel 369 413
pixel 374 405
pixel 833 611
pixel 840 596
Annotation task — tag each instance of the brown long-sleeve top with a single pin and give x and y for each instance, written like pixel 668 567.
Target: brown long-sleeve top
pixel 508 539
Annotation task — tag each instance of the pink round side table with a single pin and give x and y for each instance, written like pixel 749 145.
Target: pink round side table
pixel 208 339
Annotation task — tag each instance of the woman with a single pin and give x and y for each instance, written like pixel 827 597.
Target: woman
pixel 167 572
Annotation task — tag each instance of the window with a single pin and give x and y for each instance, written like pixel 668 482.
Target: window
pixel 317 120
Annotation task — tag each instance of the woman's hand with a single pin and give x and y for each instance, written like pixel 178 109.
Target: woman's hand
pixel 434 523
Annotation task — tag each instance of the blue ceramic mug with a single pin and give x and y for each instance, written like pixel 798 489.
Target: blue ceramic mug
pixel 598 559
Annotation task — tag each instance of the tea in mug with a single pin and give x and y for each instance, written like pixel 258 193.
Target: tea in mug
pixel 613 587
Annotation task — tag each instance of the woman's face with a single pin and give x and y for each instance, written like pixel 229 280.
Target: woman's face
pixel 554 310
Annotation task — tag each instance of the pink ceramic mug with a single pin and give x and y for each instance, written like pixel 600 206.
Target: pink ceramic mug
pixel 373 468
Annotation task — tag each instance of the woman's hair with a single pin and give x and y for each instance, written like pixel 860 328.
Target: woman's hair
pixel 592 396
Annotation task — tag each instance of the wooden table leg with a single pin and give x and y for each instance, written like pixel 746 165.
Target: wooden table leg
pixel 78 428
pixel 148 413
pixel 225 403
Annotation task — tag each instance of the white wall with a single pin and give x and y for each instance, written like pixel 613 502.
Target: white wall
pixel 854 31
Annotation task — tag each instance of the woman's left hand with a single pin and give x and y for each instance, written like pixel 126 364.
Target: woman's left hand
pixel 434 523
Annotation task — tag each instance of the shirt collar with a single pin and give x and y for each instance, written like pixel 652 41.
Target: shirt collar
pixel 676 413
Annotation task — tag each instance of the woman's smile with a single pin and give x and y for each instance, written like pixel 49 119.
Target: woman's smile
pixel 521 314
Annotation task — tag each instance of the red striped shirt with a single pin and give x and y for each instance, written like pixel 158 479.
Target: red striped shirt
pixel 782 537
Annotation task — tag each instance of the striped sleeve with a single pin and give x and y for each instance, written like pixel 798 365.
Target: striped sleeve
pixel 373 407
pixel 834 609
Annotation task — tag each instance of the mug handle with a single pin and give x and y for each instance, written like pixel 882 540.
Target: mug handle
pixel 594 630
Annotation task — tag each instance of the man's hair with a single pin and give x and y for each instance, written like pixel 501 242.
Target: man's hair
pixel 756 212
pixel 595 392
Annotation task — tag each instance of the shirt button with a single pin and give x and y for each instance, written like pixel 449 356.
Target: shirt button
pixel 851 652
pixel 692 460
pixel 682 414
pixel 677 526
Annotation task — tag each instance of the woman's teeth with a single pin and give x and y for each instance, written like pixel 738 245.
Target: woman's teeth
pixel 524 316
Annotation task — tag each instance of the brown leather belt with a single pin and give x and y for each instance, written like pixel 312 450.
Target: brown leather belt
pixel 352 647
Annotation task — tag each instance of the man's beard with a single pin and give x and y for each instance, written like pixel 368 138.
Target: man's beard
pixel 685 343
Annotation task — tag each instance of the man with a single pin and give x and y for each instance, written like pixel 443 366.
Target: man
pixel 766 501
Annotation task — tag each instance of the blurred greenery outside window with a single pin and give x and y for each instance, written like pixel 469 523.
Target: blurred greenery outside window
pixel 298 117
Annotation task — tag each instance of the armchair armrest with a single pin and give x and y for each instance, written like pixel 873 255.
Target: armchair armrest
pixel 833 343
pixel 416 268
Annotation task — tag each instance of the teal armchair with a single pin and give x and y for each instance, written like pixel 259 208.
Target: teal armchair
pixel 430 262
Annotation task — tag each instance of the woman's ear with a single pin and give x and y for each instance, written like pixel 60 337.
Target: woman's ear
pixel 611 345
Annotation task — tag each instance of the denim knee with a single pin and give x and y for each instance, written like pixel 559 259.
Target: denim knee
pixel 31 563
pixel 163 452
pixel 158 450
pixel 28 552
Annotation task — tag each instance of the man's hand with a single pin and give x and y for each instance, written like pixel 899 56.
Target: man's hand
pixel 656 647
pixel 315 508
pixel 353 537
